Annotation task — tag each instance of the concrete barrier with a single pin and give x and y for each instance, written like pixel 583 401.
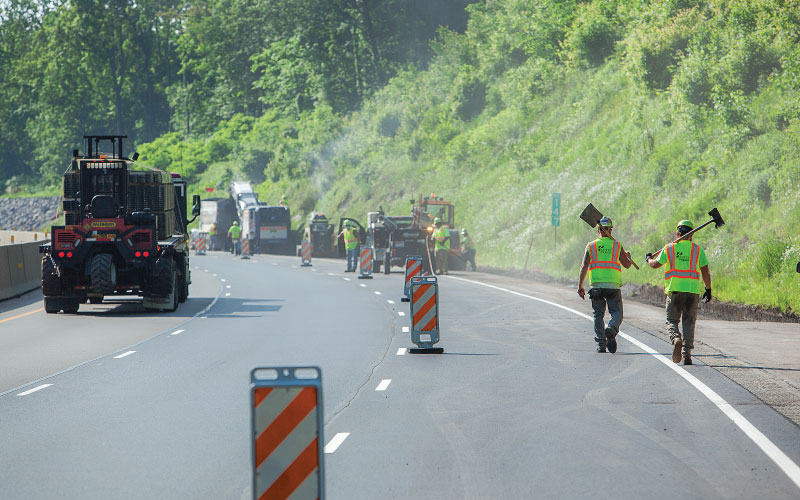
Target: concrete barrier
pixel 20 269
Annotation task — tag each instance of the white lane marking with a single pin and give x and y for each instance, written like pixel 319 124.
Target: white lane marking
pixel 214 275
pixel 314 270
pixel 31 391
pixel 176 332
pixel 222 280
pixel 377 292
pixel 406 329
pixel 337 441
pixel 124 354
pixel 401 313
pixel 274 263
pixel 362 285
pixel 401 351
pixel 390 301
pixel 294 267
pixel 331 274
pixel 346 279
pixel 228 294
pixel 227 286
pixel 384 384
pixel 782 460
pixel 205 270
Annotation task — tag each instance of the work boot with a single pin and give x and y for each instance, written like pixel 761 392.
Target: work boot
pixel 677 345
pixel 687 357
pixel 601 348
pixel 611 341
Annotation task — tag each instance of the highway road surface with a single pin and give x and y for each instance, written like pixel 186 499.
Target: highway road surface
pixel 115 402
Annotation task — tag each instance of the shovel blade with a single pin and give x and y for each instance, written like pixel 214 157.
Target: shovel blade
pixel 591 215
pixel 716 217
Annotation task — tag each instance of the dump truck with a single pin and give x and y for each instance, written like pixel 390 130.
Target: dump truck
pixel 124 232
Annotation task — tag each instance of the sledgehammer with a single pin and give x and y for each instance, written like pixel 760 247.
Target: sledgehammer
pixel 716 219
pixel 592 216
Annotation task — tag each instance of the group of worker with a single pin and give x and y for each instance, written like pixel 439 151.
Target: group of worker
pixel 686 265
pixel 441 237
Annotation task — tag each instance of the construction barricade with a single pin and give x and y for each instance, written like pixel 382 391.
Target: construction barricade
pixel 245 248
pixel 365 258
pixel 287 427
pixel 200 244
pixel 305 253
pixel 425 315
pixel 413 268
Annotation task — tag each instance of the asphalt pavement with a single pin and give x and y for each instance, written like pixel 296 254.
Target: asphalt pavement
pixel 119 403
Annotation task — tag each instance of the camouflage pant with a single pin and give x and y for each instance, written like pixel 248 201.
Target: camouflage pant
pixel 682 307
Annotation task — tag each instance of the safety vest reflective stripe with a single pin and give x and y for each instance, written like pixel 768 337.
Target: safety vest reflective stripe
pixel 604 264
pixel 690 273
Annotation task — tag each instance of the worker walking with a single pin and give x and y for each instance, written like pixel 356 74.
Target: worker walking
pixel 686 262
pixel 283 203
pixel 469 248
pixel 212 232
pixel 441 235
pixel 235 234
pixel 351 246
pixel 603 261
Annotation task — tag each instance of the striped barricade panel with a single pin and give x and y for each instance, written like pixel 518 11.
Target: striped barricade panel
pixel 305 252
pixel 365 259
pixel 424 311
pixel 287 434
pixel 200 245
pixel 413 269
pixel 245 248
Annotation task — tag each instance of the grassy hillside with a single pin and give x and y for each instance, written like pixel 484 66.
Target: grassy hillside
pixel 653 111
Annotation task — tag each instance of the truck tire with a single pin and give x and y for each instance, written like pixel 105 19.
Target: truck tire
pixel 70 306
pixel 175 293
pixel 51 306
pixel 183 288
pixel 51 283
pixel 103 273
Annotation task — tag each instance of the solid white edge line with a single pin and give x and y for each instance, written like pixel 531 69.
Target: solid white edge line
pixel 337 441
pixel 786 464
pixel 401 351
pixel 176 332
pixel 406 329
pixel 124 354
pixel 384 384
pixel 31 391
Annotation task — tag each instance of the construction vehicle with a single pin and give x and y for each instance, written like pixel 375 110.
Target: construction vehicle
pixel 320 234
pixel 268 227
pixel 124 233
pixel 433 207
pixel 219 211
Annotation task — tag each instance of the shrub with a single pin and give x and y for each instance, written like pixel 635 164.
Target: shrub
pixel 769 257
pixel 593 35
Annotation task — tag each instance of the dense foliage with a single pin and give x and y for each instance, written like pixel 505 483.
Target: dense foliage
pixel 654 110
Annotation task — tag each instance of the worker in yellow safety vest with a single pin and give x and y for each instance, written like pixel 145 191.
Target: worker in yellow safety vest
pixel 351 241
pixel 603 262
pixel 468 246
pixel 441 235
pixel 235 233
pixel 212 232
pixel 686 264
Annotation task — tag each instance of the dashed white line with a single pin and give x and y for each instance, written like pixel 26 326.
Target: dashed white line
pixel 406 329
pixel 377 292
pixel 384 384
pixel 331 274
pixel 124 354
pixel 176 332
pixel 228 294
pixel 31 391
pixel 215 275
pixel 390 301
pixel 346 279
pixel 401 351
pixel 205 270
pixel 401 313
pixel 314 270
pixel 274 263
pixel 222 280
pixel 337 441
pixel 791 469
pixel 362 285
pixel 227 286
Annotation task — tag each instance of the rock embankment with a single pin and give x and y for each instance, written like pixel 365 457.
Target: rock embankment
pixel 27 214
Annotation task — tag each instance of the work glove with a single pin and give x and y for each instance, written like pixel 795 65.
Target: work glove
pixel 707 295
pixel 648 256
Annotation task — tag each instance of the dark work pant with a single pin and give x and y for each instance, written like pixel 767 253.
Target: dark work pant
pixel 682 307
pixel 352 259
pixel 469 255
pixel 602 297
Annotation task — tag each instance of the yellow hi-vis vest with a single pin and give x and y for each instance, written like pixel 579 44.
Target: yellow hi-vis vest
pixel 442 232
pixel 604 266
pixel 213 230
pixel 235 232
pixel 350 239
pixel 683 262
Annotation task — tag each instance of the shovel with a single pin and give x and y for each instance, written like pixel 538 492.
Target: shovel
pixel 716 219
pixel 592 217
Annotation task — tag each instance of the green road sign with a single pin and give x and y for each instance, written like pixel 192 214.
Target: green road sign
pixel 556 209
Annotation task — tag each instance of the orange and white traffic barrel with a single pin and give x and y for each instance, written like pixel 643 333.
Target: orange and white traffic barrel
pixel 305 253
pixel 286 405
pixel 245 248
pixel 425 315
pixel 413 269
pixel 200 245
pixel 365 259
